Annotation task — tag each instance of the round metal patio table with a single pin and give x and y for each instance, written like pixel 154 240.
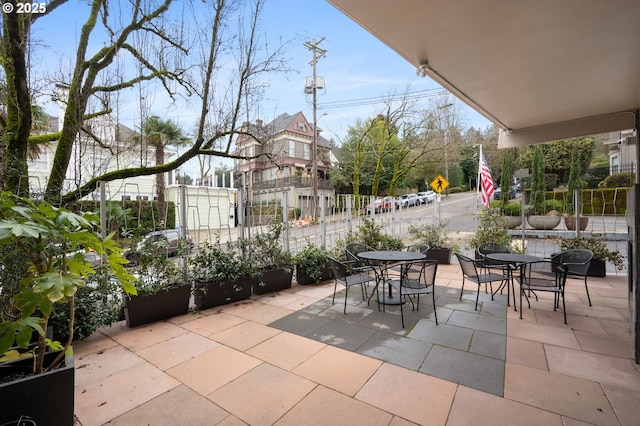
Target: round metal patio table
pixel 386 257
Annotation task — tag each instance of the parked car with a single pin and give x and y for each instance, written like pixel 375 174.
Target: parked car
pixel 427 196
pixel 409 200
pixel 497 191
pixel 382 205
pixel 162 243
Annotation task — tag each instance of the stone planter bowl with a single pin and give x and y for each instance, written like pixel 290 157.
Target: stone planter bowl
pixel 543 222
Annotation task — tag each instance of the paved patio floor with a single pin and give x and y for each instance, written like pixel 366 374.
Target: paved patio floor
pixel 293 358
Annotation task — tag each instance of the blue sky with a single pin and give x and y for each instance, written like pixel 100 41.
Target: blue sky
pixel 356 67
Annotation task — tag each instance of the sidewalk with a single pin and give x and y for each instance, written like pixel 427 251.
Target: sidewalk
pixel 233 366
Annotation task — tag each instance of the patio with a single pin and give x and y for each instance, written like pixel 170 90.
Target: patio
pixel 237 365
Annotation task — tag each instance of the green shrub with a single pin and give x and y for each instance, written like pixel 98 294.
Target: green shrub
pixel 492 229
pixel 618 180
pixel 550 205
pixel 455 190
pixel 512 209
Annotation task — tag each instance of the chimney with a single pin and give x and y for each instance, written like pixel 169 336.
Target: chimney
pixel 259 122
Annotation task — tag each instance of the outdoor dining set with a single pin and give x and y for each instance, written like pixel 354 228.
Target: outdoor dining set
pixel 399 276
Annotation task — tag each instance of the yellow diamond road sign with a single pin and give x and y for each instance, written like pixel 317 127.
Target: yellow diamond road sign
pixel 439 184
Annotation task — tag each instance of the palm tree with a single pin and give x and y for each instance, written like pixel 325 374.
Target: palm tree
pixel 160 134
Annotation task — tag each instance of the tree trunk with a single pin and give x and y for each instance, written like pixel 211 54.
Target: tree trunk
pixel 160 186
pixel 18 122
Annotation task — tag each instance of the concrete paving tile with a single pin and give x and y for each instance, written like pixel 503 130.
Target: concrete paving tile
pixel 338 369
pixel 390 321
pixel 472 370
pixel 148 335
pixel 442 334
pixel 473 407
pixel 478 322
pixel 300 303
pixel 213 323
pixel 262 395
pixel 264 314
pixel 95 343
pixel 278 298
pixel 624 402
pixel 526 352
pixel 213 369
pixel 238 307
pixel 399 421
pixel 401 351
pixel 97 366
pixel 413 396
pixel 559 336
pixel 575 398
pixel 100 401
pixel 489 344
pixel 595 367
pixel 286 350
pixel 245 335
pixel 616 328
pixel 327 407
pixel 343 335
pixel 194 410
pixel 576 322
pixel 300 322
pixel 603 344
pixel 174 351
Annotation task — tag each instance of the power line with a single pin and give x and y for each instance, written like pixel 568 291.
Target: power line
pixel 410 96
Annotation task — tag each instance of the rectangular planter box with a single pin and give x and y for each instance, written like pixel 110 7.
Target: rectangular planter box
pixel 303 278
pixel 273 280
pixel 141 310
pixel 216 294
pixel 443 256
pixel 47 398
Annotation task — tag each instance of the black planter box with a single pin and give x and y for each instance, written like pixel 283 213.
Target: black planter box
pixel 46 398
pixel 302 277
pixel 209 295
pixel 597 268
pixel 442 255
pixel 141 310
pixel 273 280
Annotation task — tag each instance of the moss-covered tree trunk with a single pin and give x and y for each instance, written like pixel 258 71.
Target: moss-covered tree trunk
pixel 17 126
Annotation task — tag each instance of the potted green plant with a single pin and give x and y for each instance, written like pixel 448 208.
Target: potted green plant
pixel 545 214
pixel 220 276
pixel 601 253
pixel 512 213
pixel 163 288
pixel 44 250
pixel 574 189
pixel 312 264
pixel 438 238
pixel 492 229
pixel 274 264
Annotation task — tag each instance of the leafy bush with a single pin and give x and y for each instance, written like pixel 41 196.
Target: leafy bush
pixel 512 209
pixel 368 233
pixel 313 259
pixel 455 189
pixel 267 251
pixel 553 205
pixel 493 228
pixel 597 245
pixel 619 180
pixel 435 236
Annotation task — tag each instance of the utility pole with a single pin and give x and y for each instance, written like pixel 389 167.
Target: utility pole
pixel 317 54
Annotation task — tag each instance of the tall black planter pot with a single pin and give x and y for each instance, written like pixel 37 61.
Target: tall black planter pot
pixel 273 280
pixel 209 295
pixel 140 310
pixel 46 398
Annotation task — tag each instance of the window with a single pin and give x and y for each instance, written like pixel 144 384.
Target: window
pixel 301 126
pixel 307 150
pixel 292 148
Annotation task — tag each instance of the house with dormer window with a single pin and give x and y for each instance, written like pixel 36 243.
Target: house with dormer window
pixel 284 161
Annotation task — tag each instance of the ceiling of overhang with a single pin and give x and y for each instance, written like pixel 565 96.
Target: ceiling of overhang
pixel 541 70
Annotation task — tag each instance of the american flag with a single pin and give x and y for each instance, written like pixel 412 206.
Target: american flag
pixel 486 182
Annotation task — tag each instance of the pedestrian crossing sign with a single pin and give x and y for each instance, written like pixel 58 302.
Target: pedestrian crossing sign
pixel 439 184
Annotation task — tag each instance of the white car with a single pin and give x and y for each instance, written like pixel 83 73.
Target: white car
pixel 427 196
pixel 409 200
